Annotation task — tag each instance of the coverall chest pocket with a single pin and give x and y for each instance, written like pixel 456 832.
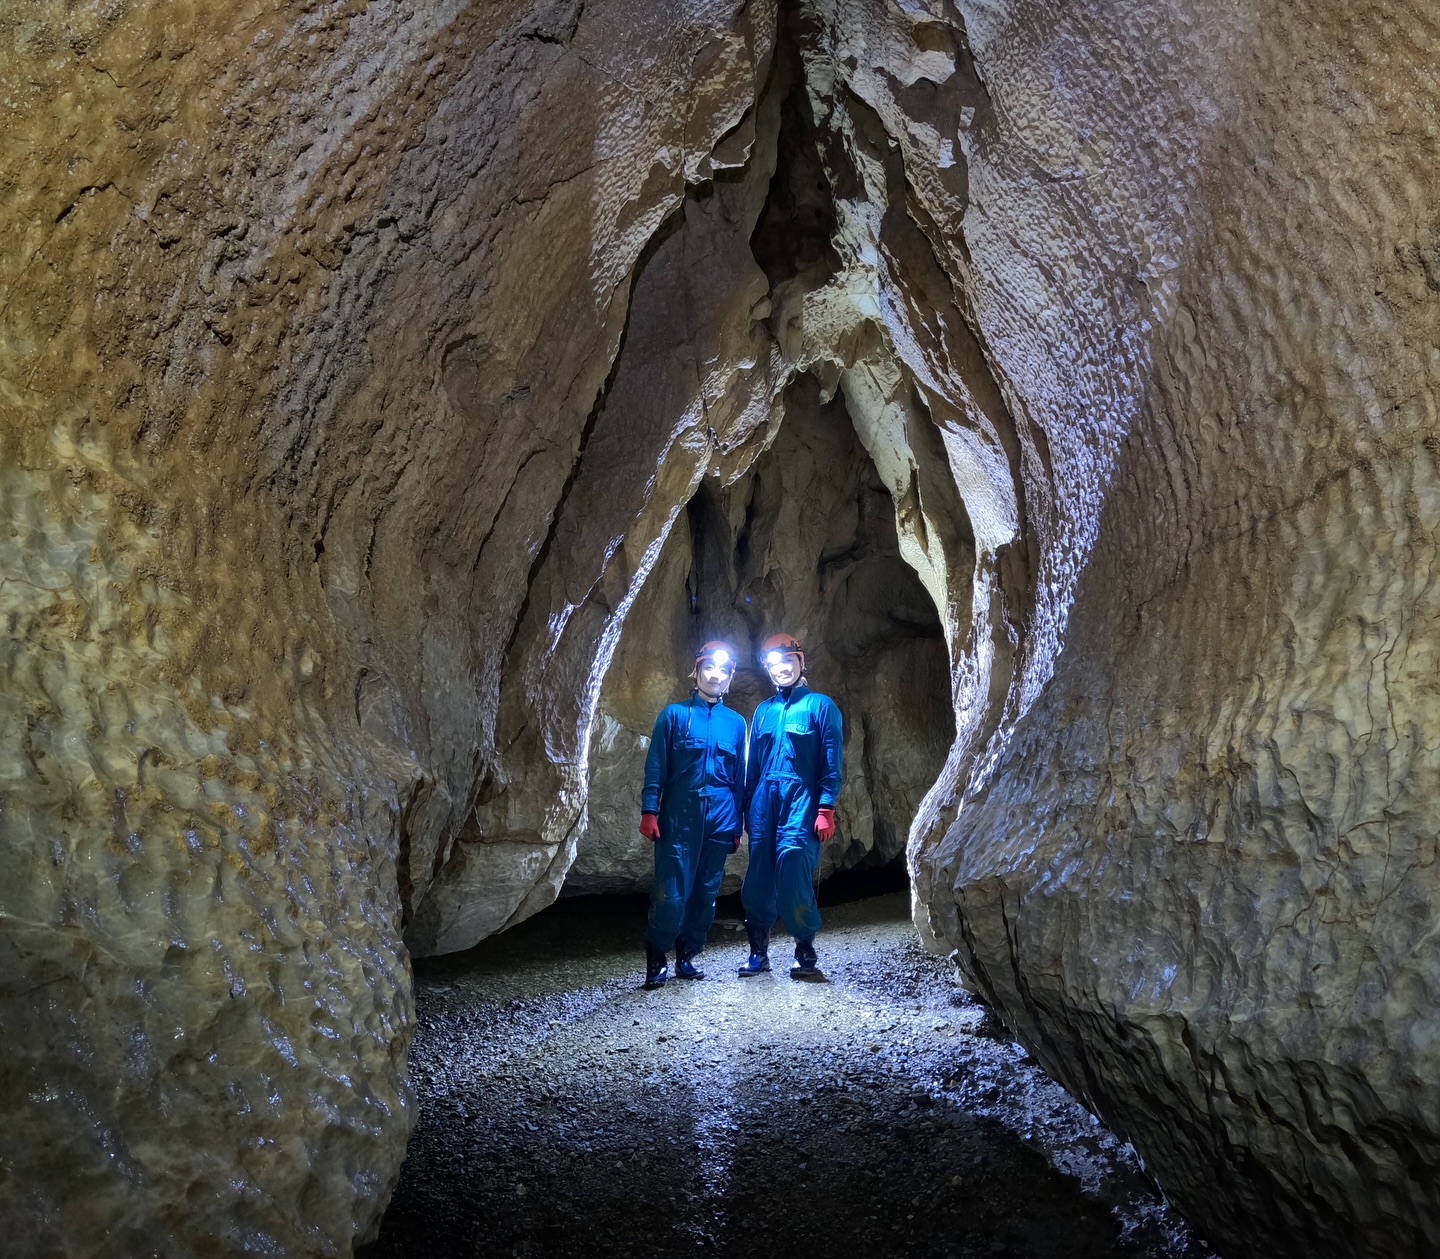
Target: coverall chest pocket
pixel 688 755
pixel 800 729
pixel 727 763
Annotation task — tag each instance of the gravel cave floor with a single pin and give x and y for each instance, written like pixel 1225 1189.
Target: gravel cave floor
pixel 563 1110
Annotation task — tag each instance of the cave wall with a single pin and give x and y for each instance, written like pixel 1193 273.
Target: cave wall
pixel 312 415
pixel 1192 862
pixel 804 541
pixel 358 362
pixel 1135 311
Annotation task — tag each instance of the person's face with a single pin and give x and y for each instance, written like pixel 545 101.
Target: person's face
pixel 786 670
pixel 713 680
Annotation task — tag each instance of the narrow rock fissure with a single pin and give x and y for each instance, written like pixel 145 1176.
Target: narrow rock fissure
pixel 793 236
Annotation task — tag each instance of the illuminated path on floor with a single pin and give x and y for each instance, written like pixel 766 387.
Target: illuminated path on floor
pixel 565 1111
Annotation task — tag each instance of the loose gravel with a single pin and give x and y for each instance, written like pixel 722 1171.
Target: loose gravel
pixel 565 1111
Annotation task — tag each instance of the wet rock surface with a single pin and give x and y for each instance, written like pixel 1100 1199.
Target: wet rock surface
pixel 302 365
pixel 565 1111
pixel 1194 864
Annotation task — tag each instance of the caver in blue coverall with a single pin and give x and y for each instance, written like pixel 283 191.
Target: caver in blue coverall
pixel 694 780
pixel 796 740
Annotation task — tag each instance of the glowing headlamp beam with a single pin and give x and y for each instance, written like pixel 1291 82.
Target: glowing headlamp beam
pixel 721 658
pixel 774 657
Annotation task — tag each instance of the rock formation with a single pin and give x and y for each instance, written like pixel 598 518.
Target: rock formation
pixel 360 362
pixel 312 422
pixel 1192 862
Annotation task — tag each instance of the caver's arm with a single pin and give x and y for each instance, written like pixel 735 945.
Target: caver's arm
pixel 832 742
pixel 752 759
pixel 740 777
pixel 657 761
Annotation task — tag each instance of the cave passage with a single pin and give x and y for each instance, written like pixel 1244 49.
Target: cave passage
pixel 395 396
pixel 566 1111
pixel 804 542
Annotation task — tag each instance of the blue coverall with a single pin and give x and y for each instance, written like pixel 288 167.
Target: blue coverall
pixel 694 781
pixel 796 740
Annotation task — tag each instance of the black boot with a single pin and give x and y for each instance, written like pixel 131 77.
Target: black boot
pixel 805 961
pixel 759 959
pixel 686 969
pixel 656 971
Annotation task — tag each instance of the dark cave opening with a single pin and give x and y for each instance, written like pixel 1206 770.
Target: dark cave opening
pixel 841 887
pixel 804 542
pixel 793 237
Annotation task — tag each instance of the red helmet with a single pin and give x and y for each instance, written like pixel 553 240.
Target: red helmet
pixel 781 644
pixel 717 652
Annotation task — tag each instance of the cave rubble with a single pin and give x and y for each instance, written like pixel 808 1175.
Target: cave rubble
pixel 883 1112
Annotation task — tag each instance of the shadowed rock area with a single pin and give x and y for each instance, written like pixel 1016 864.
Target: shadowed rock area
pixel 368 370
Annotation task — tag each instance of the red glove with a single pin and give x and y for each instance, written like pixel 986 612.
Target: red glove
pixel 650 826
pixel 734 844
pixel 824 823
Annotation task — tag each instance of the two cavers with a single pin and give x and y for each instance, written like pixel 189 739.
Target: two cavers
pixel 703 788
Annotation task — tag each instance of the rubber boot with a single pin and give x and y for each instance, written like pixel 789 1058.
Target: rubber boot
pixel 656 971
pixel 805 961
pixel 759 959
pixel 686 969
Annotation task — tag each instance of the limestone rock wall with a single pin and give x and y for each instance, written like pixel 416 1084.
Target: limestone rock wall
pixel 806 541
pixel 1191 857
pixel 312 438
pixel 359 360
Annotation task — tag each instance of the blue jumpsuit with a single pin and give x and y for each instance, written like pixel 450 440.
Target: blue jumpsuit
pixel 694 780
pixel 794 767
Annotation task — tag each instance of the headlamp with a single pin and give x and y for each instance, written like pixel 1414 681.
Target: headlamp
pixel 717 654
pixel 774 657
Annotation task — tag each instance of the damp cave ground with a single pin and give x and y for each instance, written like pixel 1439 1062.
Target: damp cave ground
pixel 566 1111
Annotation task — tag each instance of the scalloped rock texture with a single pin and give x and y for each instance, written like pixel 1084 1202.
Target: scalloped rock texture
pixel 309 316
pixel 358 363
pixel 1195 863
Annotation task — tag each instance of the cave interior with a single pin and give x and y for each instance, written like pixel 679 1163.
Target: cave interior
pixel 393 400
